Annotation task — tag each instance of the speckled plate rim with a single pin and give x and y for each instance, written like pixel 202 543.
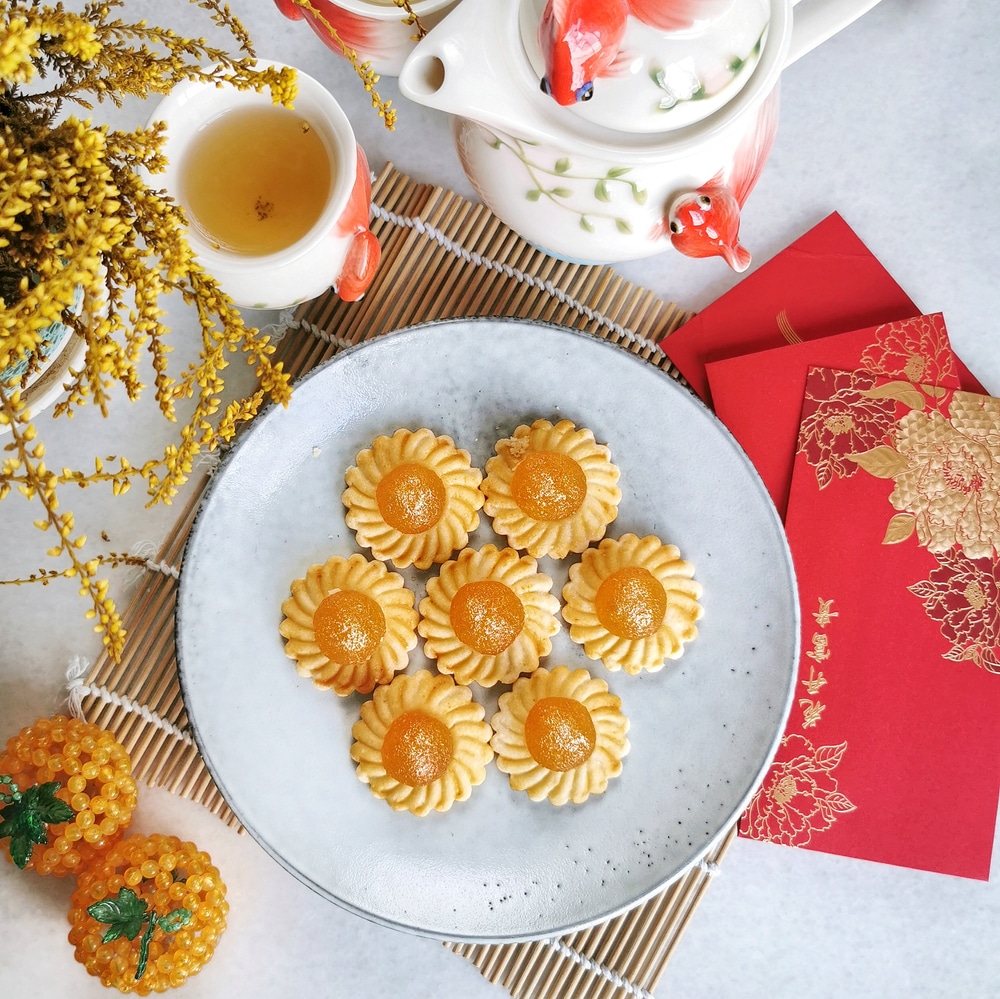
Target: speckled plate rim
pixel 382 878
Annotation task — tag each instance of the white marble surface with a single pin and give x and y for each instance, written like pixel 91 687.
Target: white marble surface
pixel 894 123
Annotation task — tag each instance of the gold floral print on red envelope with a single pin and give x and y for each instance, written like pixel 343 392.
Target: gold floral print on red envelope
pixel 759 396
pixel 892 751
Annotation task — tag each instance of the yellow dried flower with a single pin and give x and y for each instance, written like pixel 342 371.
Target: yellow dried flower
pixel 84 241
pixel 18 49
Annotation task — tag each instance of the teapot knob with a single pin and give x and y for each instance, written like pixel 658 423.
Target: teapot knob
pixel 579 40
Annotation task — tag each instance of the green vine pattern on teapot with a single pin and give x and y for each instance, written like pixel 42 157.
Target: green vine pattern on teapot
pixel 560 195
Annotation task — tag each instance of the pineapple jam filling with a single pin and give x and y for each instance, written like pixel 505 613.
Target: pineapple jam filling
pixel 547 485
pixel 411 498
pixel 631 603
pixel 417 749
pixel 559 733
pixel 349 627
pixel 487 616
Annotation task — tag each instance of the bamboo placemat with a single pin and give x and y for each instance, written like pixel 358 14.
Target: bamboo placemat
pixel 442 257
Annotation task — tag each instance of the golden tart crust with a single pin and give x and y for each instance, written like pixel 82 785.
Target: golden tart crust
pixel 560 735
pixel 413 498
pixel 422 743
pixel 488 616
pixel 551 489
pixel 349 624
pixel 632 603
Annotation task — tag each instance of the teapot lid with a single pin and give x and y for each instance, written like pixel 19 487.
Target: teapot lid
pixel 642 66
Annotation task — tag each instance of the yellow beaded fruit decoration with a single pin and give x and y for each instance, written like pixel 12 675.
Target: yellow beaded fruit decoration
pixel 68 794
pixel 147 914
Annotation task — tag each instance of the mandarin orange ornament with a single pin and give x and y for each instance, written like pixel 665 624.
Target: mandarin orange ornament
pixel 68 794
pixel 147 914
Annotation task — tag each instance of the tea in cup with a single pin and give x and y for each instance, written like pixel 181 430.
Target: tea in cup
pixel 278 199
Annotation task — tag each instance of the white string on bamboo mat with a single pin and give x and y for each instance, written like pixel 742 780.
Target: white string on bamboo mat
pixel 602 970
pixel 146 550
pixel 457 249
pixel 287 321
pixel 77 689
pixel 709 868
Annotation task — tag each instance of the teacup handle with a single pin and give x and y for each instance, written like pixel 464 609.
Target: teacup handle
pixel 818 20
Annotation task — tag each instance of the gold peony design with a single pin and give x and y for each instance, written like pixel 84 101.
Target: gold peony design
pixel 560 735
pixel 915 350
pixel 963 596
pixel 349 624
pixel 488 616
pixel 948 475
pixel 551 489
pixel 421 743
pixel 799 795
pixel 413 498
pixel 632 603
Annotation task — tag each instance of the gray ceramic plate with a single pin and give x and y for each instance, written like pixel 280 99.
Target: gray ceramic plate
pixel 497 867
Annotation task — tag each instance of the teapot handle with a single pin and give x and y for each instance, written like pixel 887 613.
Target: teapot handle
pixel 819 20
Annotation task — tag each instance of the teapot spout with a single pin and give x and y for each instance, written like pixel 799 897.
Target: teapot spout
pixel 468 65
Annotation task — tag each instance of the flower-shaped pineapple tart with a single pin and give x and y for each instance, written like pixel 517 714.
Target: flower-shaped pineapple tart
pixel 632 603
pixel 349 624
pixel 560 735
pixel 413 498
pixel 488 616
pixel 551 489
pixel 422 743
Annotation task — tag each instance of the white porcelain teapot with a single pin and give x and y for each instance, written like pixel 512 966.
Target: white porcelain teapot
pixel 608 130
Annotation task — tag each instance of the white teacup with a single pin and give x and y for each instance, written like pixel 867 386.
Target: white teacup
pixel 376 30
pixel 278 200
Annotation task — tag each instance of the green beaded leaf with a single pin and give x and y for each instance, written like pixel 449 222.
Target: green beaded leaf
pixel 175 920
pixel 25 820
pixel 622 226
pixel 562 165
pixel 615 172
pixel 124 915
pixel 140 968
pixel 46 805
pixel 601 191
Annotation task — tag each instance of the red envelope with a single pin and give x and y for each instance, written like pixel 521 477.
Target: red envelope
pixel 892 749
pixel 826 282
pixel 759 396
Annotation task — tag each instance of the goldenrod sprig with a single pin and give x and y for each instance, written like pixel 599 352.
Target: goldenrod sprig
pixel 110 560
pixel 87 242
pixel 411 19
pixel 369 78
pixel 39 481
pixel 94 58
